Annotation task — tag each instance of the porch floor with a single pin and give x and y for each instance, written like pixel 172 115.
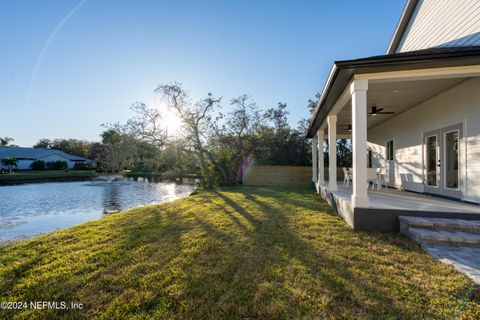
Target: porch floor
pixel 405 200
pixel 387 204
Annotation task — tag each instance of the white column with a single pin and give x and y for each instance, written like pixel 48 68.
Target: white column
pixel 314 160
pixel 358 90
pixel 332 152
pixel 321 163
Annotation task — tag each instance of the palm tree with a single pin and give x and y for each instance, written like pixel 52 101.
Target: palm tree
pixel 9 163
pixel 5 141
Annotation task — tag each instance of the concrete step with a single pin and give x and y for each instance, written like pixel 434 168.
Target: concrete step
pixel 425 236
pixel 471 226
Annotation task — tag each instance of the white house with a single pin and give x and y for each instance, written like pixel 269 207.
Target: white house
pixel 413 113
pixel 26 156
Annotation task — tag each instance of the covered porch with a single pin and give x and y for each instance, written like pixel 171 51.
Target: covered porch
pixel 388 106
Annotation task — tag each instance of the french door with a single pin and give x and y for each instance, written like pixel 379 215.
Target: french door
pixel 442 159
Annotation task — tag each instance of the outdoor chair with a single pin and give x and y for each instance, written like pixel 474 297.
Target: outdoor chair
pixel 375 177
pixel 347 177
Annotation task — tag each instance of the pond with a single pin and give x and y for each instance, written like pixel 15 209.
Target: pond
pixel 31 209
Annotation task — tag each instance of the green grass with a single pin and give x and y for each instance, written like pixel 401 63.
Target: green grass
pixel 42 175
pixel 237 253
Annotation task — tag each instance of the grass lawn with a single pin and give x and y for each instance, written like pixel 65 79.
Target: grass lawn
pixel 46 174
pixel 237 253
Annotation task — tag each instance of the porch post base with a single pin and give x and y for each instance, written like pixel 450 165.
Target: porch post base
pixel 360 202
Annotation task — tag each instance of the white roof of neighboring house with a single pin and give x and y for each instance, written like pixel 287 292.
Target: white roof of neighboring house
pixel 35 153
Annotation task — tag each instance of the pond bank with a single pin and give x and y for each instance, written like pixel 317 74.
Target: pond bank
pixel 22 177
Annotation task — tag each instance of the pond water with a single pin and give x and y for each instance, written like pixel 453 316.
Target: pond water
pixel 31 209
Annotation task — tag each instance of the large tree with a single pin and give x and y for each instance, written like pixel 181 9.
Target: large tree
pixel 118 150
pixel 197 119
pixel 237 139
pixel 146 125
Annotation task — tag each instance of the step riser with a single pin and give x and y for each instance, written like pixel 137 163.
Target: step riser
pixel 441 240
pixel 450 242
pixel 441 231
pixel 452 227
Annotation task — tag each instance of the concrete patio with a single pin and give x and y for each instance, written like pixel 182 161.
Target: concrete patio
pixel 386 205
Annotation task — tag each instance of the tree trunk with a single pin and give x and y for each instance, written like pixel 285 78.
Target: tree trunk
pixel 205 172
pixel 220 168
pixel 203 162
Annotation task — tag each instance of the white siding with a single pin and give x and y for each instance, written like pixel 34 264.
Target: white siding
pixel 23 164
pixel 460 104
pixel 442 23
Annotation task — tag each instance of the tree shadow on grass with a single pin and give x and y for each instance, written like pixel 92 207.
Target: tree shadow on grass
pixel 236 253
pixel 285 246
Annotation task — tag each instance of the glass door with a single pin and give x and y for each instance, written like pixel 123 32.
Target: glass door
pixel 442 161
pixel 451 181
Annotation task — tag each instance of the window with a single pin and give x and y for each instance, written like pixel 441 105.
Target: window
pixel 389 150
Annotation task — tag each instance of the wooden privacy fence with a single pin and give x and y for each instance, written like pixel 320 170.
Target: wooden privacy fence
pixel 278 176
pixel 282 176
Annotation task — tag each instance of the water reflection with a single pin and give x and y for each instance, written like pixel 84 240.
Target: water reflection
pixel 30 209
pixel 111 198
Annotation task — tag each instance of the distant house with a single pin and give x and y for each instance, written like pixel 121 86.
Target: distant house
pixel 26 156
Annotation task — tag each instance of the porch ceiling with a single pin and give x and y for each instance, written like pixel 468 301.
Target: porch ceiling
pixel 397 97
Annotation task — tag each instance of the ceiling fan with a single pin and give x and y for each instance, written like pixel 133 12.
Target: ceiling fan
pixel 376 110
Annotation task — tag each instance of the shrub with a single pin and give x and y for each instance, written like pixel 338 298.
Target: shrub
pixel 57 165
pixel 82 166
pixel 38 165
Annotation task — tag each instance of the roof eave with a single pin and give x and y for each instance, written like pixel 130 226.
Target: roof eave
pixel 330 80
pixel 411 61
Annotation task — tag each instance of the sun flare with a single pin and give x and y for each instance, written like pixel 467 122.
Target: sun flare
pixel 172 123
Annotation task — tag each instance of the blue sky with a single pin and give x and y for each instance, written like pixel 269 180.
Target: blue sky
pixel 108 54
